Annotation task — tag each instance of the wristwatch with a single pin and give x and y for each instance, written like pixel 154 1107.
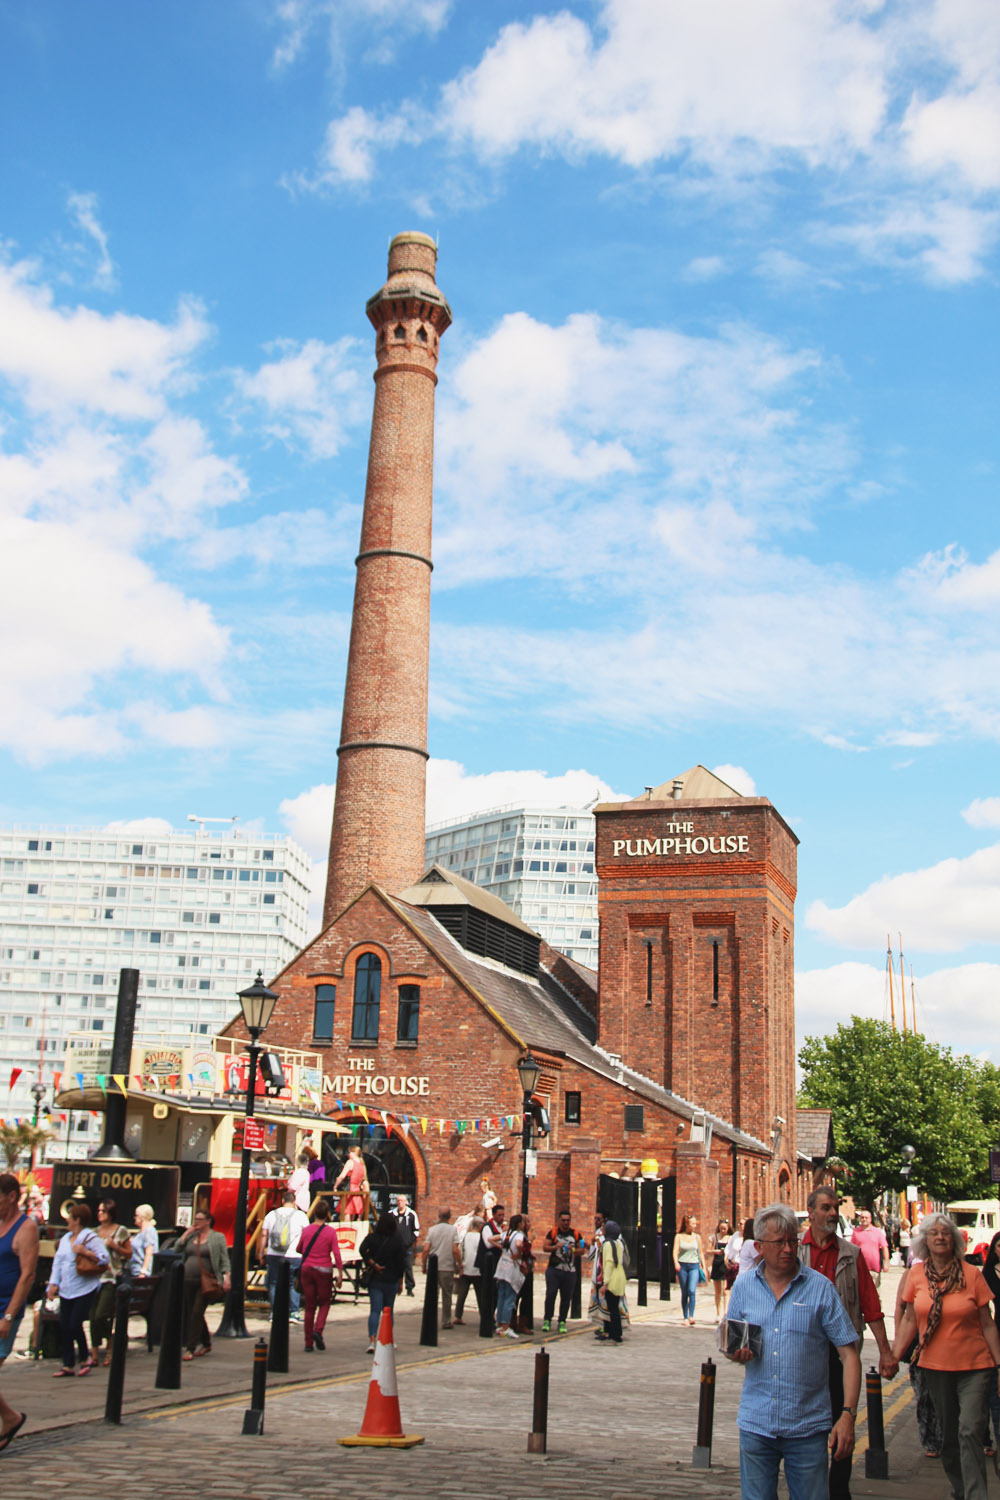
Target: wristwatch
pixel 851 1410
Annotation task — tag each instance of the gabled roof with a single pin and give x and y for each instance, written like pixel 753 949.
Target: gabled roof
pixel 441 887
pixel 541 1013
pixel 698 785
pixel 814 1133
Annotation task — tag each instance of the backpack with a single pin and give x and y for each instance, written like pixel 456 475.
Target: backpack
pixel 280 1232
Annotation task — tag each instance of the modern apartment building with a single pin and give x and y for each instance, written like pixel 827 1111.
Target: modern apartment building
pixel 196 912
pixel 540 861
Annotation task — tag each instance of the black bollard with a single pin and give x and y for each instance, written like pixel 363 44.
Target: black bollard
pixel 640 1295
pixel 701 1454
pixel 526 1304
pixel 429 1321
pixel 876 1457
pixel 168 1366
pixel 666 1265
pixel 253 1417
pixel 277 1354
pixel 576 1301
pixel 487 1318
pixel 538 1436
pixel 119 1352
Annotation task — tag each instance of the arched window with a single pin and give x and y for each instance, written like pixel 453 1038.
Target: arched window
pixel 367 998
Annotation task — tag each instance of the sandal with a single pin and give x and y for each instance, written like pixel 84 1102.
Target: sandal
pixel 106 1361
pixel 11 1433
pixel 205 1349
pixel 187 1354
pixel 87 1366
pixel 64 1371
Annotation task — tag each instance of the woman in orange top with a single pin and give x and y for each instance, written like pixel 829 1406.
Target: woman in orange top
pixel 948 1307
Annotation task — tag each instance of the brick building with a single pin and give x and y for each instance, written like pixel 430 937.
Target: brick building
pixel 422 991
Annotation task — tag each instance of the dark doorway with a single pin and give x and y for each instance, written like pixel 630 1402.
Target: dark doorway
pixel 388 1163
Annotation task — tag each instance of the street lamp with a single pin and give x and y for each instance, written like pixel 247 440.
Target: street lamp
pixel 257 1003
pixel 528 1069
pixel 38 1092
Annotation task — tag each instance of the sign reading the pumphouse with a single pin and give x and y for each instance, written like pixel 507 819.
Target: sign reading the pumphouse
pixel 682 843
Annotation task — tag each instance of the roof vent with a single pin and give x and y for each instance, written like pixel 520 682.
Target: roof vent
pixel 678 790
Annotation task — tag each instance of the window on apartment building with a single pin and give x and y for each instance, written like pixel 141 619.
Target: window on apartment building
pixel 408 1017
pixel 324 1007
pixel 367 998
pixel 572 1107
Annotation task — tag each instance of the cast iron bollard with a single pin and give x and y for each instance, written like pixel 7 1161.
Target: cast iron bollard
pixel 666 1266
pixel 576 1302
pixel 640 1295
pixel 429 1321
pixel 253 1417
pixel 876 1457
pixel 168 1366
pixel 119 1351
pixel 701 1454
pixel 277 1354
pixel 487 1320
pixel 538 1436
pixel 526 1303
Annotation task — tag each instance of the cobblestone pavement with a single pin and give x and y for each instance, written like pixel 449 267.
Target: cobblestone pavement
pixel 623 1419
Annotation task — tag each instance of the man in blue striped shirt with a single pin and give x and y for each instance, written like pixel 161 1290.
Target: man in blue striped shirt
pixel 785 1404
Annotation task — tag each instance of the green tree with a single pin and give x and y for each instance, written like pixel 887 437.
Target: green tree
pixel 886 1091
pixel 20 1139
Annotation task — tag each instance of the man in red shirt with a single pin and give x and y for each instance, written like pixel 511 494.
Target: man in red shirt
pixel 823 1250
pixel 873 1245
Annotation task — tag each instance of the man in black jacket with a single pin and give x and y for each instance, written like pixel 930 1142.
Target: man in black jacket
pixel 409 1230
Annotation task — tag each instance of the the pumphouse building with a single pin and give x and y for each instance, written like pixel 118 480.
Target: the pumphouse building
pixel 423 991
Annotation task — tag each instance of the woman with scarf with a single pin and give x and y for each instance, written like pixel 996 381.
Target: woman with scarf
pixel 947 1308
pixel 614 1260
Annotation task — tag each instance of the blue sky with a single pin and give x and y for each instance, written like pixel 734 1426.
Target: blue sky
pixel 716 446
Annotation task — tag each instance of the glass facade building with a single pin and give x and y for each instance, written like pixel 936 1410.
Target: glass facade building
pixel 196 912
pixel 540 861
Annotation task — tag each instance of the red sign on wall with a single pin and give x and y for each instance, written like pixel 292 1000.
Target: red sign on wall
pixel 253 1135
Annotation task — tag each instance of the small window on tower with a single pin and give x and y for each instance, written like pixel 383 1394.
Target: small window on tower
pixel 399 332
pixel 422 335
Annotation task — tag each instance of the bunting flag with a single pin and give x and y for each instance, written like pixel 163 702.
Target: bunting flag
pixel 406 1128
pixel 102 1080
pixel 190 1076
pixel 440 1127
pixel 121 1080
pixel 15 1074
pixel 79 1079
pixel 56 1081
pixel 63 1119
pixel 385 1118
pixel 364 1113
pixel 138 1079
pixel 423 1124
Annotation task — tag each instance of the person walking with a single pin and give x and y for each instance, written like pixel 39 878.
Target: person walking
pixel 18 1262
pixel 946 1304
pixel 841 1262
pixel 785 1415
pixel 564 1247
pixel 354 1203
pixel 614 1264
pixel 279 1235
pixel 469 1243
pixel 991 1273
pixel 383 1255
pixel 145 1243
pixel 717 1275
pixel 874 1246
pixel 442 1241
pixel 319 1249
pixel 509 1276
pixel 689 1263
pixel 77 1268
pixel 409 1232
pixel 115 1238
pixel 206 1279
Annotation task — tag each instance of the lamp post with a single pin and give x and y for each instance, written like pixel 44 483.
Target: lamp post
pixel 257 1004
pixel 528 1069
pixel 38 1092
pixel 908 1153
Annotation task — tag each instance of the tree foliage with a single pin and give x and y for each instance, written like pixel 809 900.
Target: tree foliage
pixel 886 1091
pixel 20 1139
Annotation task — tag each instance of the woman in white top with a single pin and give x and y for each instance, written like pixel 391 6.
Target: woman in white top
pixel 509 1276
pixel 469 1241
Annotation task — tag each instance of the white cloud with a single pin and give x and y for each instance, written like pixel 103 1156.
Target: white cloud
pixel 704 268
pixel 950 1003
pixel 735 776
pixel 385 24
pixel 939 909
pixel 891 108
pixel 983 812
pixel 312 393
pixel 308 818
pixel 83 207
pixel 140 825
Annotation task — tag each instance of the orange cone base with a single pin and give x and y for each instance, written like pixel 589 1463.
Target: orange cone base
pixel 405 1441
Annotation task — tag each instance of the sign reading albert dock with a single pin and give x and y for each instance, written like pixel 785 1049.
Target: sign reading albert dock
pixel 128 1183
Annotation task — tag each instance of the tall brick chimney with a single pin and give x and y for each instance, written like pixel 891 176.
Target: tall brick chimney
pixel 378 815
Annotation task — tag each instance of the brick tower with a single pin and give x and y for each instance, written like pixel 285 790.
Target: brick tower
pixel 378 816
pixel 696 901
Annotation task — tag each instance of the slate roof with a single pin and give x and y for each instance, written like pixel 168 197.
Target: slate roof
pixel 813 1133
pixel 542 1013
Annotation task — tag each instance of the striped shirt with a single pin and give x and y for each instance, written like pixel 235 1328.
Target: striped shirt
pixel 786 1393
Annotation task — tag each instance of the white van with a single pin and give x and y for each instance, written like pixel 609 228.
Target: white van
pixel 978 1219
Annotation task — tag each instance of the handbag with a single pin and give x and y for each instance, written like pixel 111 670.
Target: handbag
pixel 297 1273
pixel 87 1263
pixel 211 1286
pixel 701 1275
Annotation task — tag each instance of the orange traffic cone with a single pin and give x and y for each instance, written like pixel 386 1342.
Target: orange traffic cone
pixel 382 1426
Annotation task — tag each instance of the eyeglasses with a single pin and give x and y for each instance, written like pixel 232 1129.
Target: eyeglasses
pixel 784 1239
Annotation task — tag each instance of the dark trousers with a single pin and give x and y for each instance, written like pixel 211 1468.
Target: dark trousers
pixel 614 1316
pixel 102 1316
pixel 73 1313
pixel 462 1286
pixel 559 1280
pixel 408 1270
pixel 195 1328
pixel 840 1468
